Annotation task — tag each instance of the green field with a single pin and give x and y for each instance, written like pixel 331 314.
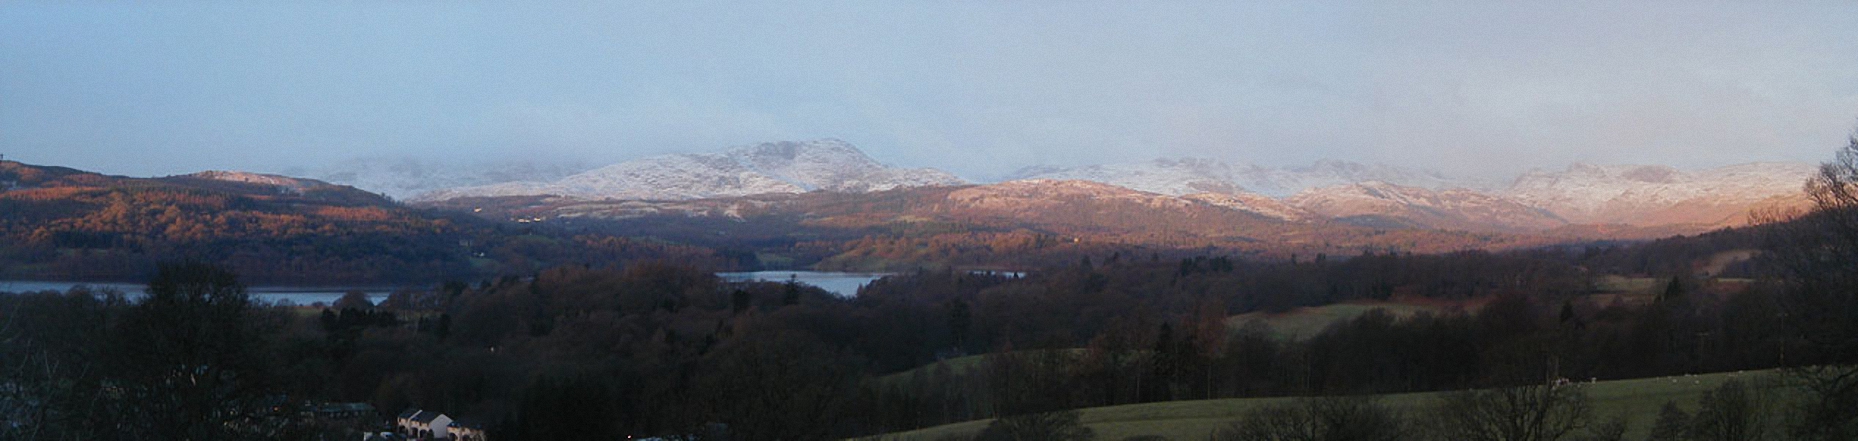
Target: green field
pixel 1306 322
pixel 1639 400
pixel 955 365
pixel 1296 324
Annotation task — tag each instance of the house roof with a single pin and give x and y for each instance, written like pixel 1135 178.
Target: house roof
pixel 408 413
pixel 427 416
pixel 466 424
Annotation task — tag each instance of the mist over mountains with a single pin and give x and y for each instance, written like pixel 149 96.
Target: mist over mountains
pixel 404 178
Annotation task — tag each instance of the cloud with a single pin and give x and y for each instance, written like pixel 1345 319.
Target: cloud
pixel 980 89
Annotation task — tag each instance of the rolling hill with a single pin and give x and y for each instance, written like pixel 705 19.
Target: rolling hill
pixel 60 223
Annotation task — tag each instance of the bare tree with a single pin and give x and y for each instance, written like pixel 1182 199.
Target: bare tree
pixel 190 358
pixel 1815 252
pixel 1319 419
pixel 1044 426
pixel 1672 423
pixel 1814 255
pixel 1731 412
pixel 1525 413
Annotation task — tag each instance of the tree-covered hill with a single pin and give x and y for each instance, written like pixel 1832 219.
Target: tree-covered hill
pixel 66 224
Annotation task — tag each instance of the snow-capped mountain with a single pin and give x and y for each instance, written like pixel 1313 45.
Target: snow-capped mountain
pixel 1180 177
pixel 1382 204
pixel 776 167
pixel 1660 195
pixel 404 178
pixel 1404 197
pixel 1365 194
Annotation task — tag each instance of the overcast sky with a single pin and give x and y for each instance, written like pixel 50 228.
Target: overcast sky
pixel 977 88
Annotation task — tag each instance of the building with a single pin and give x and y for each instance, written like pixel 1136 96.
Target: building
pixel 466 431
pixel 424 424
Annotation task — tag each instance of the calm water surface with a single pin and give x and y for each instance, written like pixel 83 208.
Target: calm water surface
pixel 843 284
pixel 297 295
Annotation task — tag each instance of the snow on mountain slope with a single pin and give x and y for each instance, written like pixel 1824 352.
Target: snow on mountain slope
pixel 1659 195
pixel 404 178
pixel 777 167
pixel 1380 195
pixel 1284 182
pixel 1180 177
pixel 1381 203
pixel 1175 177
pixel 1039 194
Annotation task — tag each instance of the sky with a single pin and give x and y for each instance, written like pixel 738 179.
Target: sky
pixel 978 88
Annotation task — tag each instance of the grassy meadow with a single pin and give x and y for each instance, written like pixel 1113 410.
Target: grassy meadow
pixel 1638 400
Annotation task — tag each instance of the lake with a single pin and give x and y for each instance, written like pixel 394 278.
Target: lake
pixel 272 294
pixel 843 284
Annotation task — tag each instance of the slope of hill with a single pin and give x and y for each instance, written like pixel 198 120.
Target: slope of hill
pixel 1175 177
pixel 65 224
pixel 1256 203
pixel 1640 399
pixel 780 167
pixel 1380 203
pixel 1658 195
pixel 1180 177
pixel 1582 200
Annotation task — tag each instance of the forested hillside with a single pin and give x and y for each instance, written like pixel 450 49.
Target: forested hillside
pixel 65 224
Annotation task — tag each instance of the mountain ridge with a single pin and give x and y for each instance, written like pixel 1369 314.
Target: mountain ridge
pixel 1368 194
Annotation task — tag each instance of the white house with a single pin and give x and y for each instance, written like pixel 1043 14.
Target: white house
pixel 424 424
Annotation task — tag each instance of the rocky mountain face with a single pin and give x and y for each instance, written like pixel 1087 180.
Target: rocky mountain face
pixel 770 168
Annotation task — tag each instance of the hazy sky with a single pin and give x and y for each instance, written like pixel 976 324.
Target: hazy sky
pixel 977 88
